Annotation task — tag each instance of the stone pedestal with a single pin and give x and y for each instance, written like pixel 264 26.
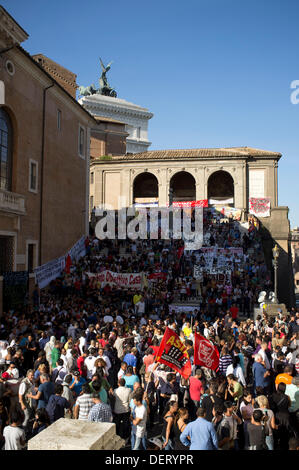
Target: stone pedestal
pixel 272 309
pixel 132 115
pixel 73 434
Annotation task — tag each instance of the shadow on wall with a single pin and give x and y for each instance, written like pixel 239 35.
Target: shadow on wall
pixel 285 276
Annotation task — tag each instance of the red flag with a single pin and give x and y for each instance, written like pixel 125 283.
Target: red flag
pixel 68 264
pixel 205 353
pixel 173 353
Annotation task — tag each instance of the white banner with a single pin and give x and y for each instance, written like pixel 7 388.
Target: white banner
pixel 47 272
pixel 182 308
pixel 220 275
pixel 78 250
pixel 130 280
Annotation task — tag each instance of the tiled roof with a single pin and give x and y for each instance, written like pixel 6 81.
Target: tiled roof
pixel 180 154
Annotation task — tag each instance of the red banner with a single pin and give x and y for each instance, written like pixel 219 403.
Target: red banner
pixel 173 353
pixel 205 353
pixel 200 203
pixel 159 275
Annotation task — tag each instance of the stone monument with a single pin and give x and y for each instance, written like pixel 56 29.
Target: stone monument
pixel 103 102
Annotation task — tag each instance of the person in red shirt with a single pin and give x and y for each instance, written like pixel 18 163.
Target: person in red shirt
pixel 195 390
pixel 103 340
pixel 234 311
pixel 149 358
pixel 81 366
pixel 224 299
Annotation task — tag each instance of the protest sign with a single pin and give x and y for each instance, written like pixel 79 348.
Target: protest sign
pixel 173 353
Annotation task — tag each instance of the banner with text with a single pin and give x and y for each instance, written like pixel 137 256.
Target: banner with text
pixel 48 272
pixel 173 353
pixel 182 204
pixel 182 308
pixel 205 353
pixel 129 280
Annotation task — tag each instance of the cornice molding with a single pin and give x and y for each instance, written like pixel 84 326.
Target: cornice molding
pixel 12 31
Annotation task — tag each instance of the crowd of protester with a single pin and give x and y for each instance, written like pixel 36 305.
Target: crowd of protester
pixel 84 350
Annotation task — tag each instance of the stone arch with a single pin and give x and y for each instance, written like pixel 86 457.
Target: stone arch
pixel 145 186
pixel 183 185
pixel 221 188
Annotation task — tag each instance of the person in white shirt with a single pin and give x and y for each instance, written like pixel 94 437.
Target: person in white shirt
pixel 206 331
pixel 13 371
pixel 236 370
pixel 89 363
pixel 122 370
pixel 139 419
pixel 262 352
pixel 82 343
pixel 13 434
pixel 102 355
pixel 140 307
pixel 122 396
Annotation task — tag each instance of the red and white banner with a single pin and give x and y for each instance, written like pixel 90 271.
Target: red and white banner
pixel 260 207
pixel 159 275
pixel 205 353
pixel 200 203
pixel 130 280
pixel 173 353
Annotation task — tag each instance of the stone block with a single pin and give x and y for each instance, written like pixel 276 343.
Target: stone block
pixel 72 434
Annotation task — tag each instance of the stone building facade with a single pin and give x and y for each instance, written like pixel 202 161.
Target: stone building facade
pixel 63 76
pixel 134 117
pixel 45 142
pixel 224 176
pixel 246 172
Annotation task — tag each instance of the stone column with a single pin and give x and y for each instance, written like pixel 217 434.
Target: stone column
pixel 200 184
pixel 98 185
pixel 125 188
pixel 164 187
pixel 238 176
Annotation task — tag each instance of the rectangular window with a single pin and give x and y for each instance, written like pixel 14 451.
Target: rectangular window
pixel 31 255
pixel 33 168
pixel 138 132
pixel 30 259
pixel 91 178
pixel 81 141
pixel 91 203
pixel 59 119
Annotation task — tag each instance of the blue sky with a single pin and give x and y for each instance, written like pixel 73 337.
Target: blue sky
pixel 215 73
